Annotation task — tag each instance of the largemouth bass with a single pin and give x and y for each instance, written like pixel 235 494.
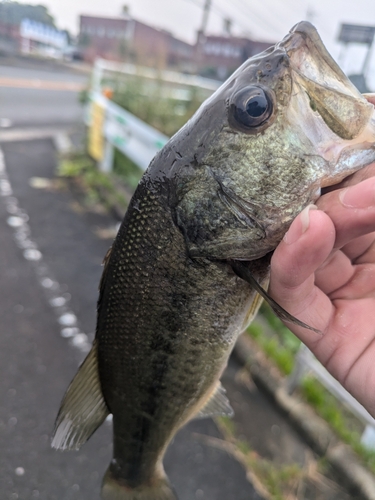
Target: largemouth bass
pixel 181 281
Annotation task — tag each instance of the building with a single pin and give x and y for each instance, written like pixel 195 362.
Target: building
pixel 10 40
pixel 39 38
pixel 33 37
pixel 219 56
pixel 126 39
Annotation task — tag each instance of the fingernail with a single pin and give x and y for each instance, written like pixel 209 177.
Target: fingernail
pixel 359 196
pixel 299 225
pixel 370 98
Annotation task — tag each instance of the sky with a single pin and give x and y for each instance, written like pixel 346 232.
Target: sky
pixel 267 20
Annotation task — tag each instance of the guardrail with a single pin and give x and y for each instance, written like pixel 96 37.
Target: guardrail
pixel 109 72
pixel 111 126
pixel 305 361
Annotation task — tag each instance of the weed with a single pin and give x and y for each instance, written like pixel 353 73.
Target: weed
pixel 127 170
pixel 155 104
pixel 97 186
pixel 274 346
pixel 279 480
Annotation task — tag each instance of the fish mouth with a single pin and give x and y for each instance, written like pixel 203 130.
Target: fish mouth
pixel 336 120
pixel 351 156
pixel 344 110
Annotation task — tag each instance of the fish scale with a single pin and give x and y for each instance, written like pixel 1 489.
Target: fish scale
pixel 155 322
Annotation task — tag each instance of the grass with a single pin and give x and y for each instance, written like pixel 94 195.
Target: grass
pixel 128 171
pixel 339 418
pixel 280 481
pixel 150 103
pixel 97 186
pixel 281 347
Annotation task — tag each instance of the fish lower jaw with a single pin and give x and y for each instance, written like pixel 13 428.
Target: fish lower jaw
pixel 350 161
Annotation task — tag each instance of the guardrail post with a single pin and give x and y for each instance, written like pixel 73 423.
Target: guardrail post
pixel 106 165
pixel 97 76
pixel 294 379
pixel 368 437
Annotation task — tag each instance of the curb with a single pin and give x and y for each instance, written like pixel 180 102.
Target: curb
pixel 317 432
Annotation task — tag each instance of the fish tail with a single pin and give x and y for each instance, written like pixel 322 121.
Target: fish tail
pixel 116 489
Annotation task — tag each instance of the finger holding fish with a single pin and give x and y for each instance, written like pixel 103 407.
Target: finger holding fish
pixel 334 289
pixel 305 247
pixel 352 210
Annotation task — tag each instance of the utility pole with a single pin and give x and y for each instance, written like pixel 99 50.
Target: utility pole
pixel 200 35
pixel 206 11
pixel 228 26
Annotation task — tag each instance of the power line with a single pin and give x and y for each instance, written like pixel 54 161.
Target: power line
pixel 244 10
pixel 251 12
pixel 220 12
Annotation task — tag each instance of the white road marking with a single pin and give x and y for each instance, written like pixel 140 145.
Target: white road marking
pixel 63 143
pixel 5 123
pixel 56 295
pixel 30 134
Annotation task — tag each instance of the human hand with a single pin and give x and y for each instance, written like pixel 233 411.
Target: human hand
pixel 323 273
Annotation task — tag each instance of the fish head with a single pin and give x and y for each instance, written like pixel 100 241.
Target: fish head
pixel 286 124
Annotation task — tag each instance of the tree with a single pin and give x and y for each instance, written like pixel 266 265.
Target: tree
pixel 13 13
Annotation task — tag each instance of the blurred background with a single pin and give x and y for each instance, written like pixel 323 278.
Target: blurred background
pixel 89 92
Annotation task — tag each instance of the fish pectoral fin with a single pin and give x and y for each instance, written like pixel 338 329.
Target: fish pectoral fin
pixel 217 406
pixel 241 269
pixel 83 408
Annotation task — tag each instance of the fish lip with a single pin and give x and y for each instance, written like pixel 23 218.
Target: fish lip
pixel 363 154
pixel 337 185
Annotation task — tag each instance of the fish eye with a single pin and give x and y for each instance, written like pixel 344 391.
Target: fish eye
pixel 250 108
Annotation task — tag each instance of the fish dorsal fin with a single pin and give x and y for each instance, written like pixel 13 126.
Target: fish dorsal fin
pixel 217 406
pixel 83 408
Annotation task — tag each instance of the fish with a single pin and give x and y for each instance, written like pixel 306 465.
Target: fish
pixel 190 265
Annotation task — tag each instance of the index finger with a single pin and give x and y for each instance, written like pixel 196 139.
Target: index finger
pixel 351 209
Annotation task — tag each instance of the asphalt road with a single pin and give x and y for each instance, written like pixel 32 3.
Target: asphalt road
pixel 37 94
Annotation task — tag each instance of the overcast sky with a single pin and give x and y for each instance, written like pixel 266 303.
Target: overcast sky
pixel 258 19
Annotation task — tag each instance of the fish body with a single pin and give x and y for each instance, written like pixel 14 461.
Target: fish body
pixel 223 190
